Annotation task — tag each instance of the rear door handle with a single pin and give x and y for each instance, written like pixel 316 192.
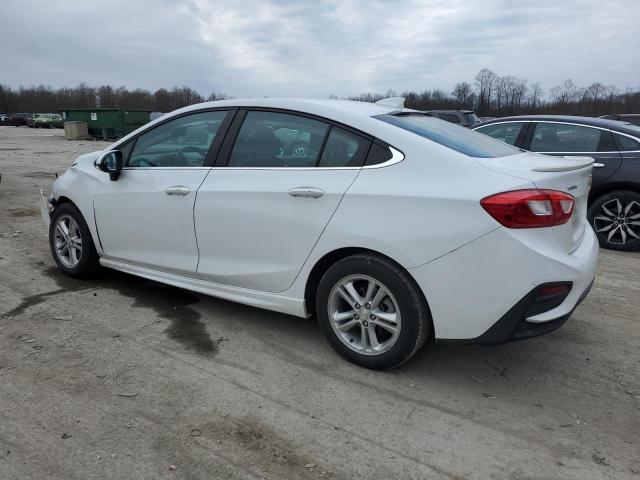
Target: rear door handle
pixel 177 190
pixel 309 192
pixel 598 165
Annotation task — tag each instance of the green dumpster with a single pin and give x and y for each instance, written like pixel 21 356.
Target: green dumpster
pixel 107 122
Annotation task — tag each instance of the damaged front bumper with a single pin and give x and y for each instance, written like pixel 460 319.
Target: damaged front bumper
pixel 46 208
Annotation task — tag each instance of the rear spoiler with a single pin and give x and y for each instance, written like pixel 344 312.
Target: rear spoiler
pixel 577 164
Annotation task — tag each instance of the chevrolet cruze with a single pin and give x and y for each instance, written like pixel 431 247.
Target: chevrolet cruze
pixel 391 227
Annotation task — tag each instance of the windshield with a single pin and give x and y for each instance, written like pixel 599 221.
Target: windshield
pixel 457 138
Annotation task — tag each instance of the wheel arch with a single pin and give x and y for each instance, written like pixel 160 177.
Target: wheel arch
pixel 330 258
pixel 612 187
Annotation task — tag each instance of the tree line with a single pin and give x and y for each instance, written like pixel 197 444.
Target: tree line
pixel 488 95
pixel 493 95
pixel 42 98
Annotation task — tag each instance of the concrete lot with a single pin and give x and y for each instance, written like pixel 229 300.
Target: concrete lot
pixel 121 377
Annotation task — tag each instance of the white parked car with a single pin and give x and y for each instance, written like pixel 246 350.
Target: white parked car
pixel 391 227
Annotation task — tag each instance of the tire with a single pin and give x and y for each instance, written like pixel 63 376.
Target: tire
pixel 404 302
pixel 615 217
pixel 87 262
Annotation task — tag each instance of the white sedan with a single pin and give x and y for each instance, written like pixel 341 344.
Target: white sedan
pixel 388 225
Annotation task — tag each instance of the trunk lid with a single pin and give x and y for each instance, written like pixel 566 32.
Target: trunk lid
pixel 566 174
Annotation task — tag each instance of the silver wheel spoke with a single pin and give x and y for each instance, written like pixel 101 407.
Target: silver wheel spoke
pixel 370 289
pixel 363 337
pixel 62 228
pixel 611 234
pixel 386 316
pixel 373 339
pixel 633 217
pixel 631 232
pixel 346 326
pixel 608 212
pixel 618 207
pixel 380 294
pixel 342 316
pixel 386 326
pixel 351 290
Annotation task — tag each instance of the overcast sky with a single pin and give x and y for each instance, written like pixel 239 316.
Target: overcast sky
pixel 316 48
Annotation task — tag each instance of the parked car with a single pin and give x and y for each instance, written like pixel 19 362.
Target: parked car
pixel 614 200
pixel 20 119
pixel 46 120
pixel 466 118
pixel 633 118
pixel 3 119
pixel 396 229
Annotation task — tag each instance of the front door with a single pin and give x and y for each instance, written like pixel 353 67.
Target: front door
pixel 146 216
pixel 567 139
pixel 259 216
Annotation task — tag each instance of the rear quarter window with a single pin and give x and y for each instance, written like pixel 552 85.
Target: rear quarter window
pixel 456 138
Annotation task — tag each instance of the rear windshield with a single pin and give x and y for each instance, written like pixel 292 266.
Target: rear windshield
pixel 456 138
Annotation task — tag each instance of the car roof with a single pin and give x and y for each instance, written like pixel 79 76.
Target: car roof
pixel 310 105
pixel 617 125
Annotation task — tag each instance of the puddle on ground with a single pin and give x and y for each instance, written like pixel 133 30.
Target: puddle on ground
pixel 171 303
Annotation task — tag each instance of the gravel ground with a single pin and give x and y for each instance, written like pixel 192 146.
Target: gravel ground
pixel 120 377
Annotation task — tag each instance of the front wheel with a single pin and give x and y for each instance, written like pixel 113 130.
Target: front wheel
pixel 615 217
pixel 371 311
pixel 71 243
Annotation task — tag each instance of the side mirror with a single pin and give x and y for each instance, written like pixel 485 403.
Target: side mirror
pixel 111 162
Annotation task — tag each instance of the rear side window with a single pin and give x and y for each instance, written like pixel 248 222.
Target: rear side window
pixel 449 117
pixel 343 149
pixel 562 137
pixel 627 144
pixel 272 139
pixel 505 132
pixel 456 138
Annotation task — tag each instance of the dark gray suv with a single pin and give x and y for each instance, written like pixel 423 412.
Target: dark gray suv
pixel 614 201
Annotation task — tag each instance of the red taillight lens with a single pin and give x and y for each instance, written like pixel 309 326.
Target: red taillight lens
pixel 530 208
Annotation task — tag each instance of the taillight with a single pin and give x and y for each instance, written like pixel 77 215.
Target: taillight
pixel 530 208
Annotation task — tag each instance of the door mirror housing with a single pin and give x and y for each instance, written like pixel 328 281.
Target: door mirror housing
pixel 111 163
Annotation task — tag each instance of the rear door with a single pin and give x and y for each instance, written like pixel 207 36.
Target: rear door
pixel 571 140
pixel 278 180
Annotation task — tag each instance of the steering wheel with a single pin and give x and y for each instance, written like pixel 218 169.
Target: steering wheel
pixel 190 148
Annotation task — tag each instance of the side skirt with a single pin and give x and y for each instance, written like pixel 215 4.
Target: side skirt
pixel 266 300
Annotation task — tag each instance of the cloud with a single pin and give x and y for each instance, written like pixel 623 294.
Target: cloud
pixel 315 48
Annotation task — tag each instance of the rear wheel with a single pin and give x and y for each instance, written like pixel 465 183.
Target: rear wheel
pixel 71 243
pixel 371 311
pixel 615 217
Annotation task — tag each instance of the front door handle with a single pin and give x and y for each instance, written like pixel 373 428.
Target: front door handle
pixel 177 190
pixel 598 165
pixel 309 192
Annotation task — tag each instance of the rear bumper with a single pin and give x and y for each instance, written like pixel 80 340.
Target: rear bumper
pixel 514 324
pixel 484 291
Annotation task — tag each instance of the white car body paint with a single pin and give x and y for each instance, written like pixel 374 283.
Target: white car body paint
pixel 239 235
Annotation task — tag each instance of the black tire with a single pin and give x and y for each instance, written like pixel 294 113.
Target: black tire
pixel 616 202
pixel 416 320
pixel 88 263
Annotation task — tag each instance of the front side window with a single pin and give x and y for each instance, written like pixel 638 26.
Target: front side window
pixel 456 138
pixel 561 137
pixel 272 139
pixel 183 142
pixel 505 132
pixel 343 149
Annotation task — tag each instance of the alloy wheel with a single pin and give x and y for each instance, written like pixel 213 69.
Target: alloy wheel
pixel 620 223
pixel 364 314
pixel 67 241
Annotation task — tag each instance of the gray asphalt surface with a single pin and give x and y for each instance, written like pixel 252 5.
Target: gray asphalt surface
pixel 119 377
